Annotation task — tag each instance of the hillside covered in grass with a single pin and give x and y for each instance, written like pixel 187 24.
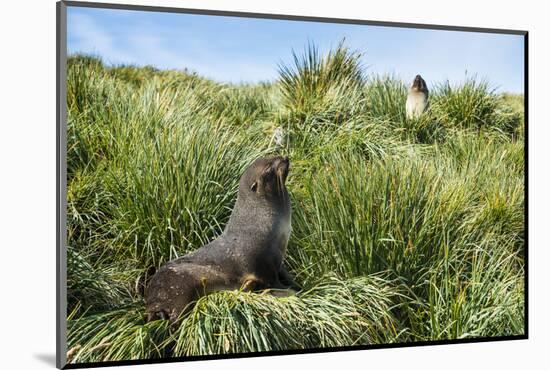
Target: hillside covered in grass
pixel 402 230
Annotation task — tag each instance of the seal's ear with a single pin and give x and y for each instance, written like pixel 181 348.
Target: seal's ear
pixel 254 186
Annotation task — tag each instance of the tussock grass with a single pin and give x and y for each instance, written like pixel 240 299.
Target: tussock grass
pixel 385 96
pixel 335 312
pixel 403 230
pixel 474 105
pixel 319 89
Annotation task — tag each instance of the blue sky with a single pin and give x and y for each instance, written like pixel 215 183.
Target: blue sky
pixel 232 49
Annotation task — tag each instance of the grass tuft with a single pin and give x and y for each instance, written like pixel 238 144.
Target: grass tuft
pixel 319 88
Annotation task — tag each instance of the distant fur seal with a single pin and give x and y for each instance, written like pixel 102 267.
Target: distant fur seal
pixel 417 100
pixel 249 254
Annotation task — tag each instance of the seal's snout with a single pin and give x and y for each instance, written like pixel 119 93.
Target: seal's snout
pixel 283 161
pixel 281 166
pixel 419 84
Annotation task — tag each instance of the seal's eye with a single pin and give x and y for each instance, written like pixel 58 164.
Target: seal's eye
pixel 254 186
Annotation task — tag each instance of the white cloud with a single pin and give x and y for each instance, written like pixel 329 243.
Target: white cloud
pixel 88 36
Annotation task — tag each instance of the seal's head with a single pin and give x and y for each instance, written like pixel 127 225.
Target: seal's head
pixel 265 179
pixel 419 84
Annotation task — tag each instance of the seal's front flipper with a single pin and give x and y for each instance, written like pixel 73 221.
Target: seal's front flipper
pixel 287 280
pixel 250 283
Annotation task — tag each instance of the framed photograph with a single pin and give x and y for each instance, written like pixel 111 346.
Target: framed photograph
pixel 234 184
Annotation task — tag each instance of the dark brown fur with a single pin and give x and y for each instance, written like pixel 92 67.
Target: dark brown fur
pixel 248 255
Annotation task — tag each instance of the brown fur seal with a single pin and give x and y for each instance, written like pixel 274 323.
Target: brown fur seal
pixel 249 253
pixel 417 100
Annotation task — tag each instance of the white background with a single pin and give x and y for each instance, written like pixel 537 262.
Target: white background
pixel 27 183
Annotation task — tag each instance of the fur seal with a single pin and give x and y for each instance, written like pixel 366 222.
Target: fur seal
pixel 417 100
pixel 248 254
